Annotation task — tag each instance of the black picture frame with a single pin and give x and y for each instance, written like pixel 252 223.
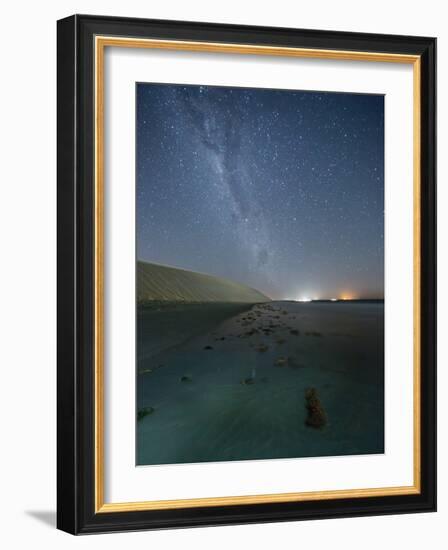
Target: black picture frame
pixel 76 512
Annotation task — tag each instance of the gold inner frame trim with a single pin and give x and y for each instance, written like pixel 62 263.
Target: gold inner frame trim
pixel 101 42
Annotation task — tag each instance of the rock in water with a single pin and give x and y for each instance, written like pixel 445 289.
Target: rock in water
pixel 316 417
pixel 145 371
pixel 144 412
pixel 262 348
pixel 281 362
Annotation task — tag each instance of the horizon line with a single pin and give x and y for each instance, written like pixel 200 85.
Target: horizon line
pixel 332 299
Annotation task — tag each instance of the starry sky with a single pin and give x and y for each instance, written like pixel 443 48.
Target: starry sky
pixel 281 190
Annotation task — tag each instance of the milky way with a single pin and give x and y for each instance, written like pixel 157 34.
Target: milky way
pixel 280 190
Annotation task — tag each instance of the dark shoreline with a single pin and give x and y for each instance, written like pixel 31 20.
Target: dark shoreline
pixel 354 301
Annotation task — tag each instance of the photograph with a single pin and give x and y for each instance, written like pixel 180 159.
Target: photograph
pixel 228 214
pixel 246 265
pixel 259 273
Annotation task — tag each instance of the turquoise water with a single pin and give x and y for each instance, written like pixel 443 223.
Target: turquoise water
pixel 227 382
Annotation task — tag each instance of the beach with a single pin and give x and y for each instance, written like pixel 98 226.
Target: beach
pixel 229 381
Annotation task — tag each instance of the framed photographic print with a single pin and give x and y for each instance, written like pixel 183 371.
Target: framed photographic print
pixel 246 274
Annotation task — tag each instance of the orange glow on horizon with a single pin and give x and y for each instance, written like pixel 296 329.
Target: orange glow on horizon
pixel 347 296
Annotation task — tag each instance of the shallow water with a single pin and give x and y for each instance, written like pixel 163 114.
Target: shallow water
pixel 239 400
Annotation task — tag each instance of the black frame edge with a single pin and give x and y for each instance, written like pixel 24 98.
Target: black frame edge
pixel 67 482
pixel 428 322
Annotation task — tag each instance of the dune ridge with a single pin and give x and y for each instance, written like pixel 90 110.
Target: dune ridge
pixel 157 282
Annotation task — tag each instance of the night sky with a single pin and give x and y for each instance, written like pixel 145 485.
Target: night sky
pixel 280 190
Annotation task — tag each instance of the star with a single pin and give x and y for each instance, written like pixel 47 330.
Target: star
pixel 262 186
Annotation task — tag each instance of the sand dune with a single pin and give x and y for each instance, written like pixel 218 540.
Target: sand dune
pixel 162 283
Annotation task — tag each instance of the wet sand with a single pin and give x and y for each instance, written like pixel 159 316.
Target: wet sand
pixel 228 381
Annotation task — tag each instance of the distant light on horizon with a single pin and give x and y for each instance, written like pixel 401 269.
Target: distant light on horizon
pixel 347 296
